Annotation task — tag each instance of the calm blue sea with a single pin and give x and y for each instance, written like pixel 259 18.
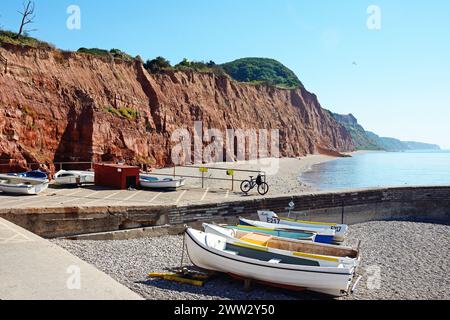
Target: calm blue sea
pixel 380 169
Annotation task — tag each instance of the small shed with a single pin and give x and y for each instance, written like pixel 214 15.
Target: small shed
pixel 116 176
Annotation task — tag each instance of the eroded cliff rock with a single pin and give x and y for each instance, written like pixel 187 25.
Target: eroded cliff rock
pixel 59 106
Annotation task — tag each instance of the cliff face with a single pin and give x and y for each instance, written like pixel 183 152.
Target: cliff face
pixel 57 106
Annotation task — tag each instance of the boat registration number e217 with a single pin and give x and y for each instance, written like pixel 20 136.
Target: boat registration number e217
pixel 273 220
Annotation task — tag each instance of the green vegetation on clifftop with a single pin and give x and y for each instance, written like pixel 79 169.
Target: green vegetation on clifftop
pixel 262 70
pixel 113 53
pixel 25 40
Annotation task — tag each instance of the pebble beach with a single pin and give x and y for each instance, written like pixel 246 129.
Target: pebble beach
pixel 400 260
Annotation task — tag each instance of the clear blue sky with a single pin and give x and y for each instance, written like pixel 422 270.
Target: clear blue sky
pixel 399 87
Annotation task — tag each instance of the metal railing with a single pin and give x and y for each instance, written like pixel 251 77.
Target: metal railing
pixel 230 174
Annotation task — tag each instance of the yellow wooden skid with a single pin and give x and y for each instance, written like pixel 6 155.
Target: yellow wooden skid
pixel 195 280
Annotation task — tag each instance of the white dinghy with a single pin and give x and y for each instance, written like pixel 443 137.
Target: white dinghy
pixel 211 252
pixel 64 177
pixel 322 255
pixel 147 181
pixel 22 186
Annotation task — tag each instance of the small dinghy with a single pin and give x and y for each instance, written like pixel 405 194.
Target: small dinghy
pixel 215 253
pixel 22 186
pixel 35 174
pixel 316 254
pixel 296 235
pixel 64 177
pixel 322 235
pixel 271 217
pixel 152 182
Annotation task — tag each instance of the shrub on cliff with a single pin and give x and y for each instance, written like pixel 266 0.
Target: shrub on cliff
pixel 129 113
pixel 13 38
pixel 118 54
pixel 201 66
pixel 262 70
pixel 94 51
pixel 113 53
pixel 157 65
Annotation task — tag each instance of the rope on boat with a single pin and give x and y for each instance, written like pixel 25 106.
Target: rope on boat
pixel 183 249
pixel 355 284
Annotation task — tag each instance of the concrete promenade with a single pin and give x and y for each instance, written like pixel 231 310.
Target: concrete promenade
pixel 32 268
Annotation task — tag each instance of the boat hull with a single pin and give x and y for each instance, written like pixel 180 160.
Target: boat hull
pixel 340 230
pixel 332 281
pixel 74 177
pixel 22 186
pixel 161 183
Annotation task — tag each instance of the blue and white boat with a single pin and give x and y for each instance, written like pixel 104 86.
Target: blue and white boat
pixel 295 235
pixel 271 217
pixel 322 235
pixel 35 174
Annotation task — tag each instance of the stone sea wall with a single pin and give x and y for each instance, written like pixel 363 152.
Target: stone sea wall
pixel 421 203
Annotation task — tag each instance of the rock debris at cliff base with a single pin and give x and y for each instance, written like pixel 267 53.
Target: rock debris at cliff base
pixel 412 259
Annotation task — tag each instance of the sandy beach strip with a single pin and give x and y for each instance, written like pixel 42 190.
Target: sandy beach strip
pixel 282 174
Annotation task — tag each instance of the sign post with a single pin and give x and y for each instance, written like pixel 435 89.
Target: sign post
pixel 231 173
pixel 203 170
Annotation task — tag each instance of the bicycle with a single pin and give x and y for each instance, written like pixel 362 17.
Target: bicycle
pixel 248 185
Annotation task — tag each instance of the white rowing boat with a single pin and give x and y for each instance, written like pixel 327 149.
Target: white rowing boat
pixel 211 252
pixel 64 177
pixel 340 230
pixel 317 254
pixel 147 181
pixel 22 186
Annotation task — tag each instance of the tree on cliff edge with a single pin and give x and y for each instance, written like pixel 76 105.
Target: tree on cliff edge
pixel 156 65
pixel 28 17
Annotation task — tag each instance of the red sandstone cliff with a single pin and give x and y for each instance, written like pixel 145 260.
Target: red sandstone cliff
pixel 54 107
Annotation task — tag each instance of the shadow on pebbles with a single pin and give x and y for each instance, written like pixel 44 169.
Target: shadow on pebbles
pixel 400 260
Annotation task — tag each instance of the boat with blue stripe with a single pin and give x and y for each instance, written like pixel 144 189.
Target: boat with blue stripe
pixel 321 235
pixel 296 235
